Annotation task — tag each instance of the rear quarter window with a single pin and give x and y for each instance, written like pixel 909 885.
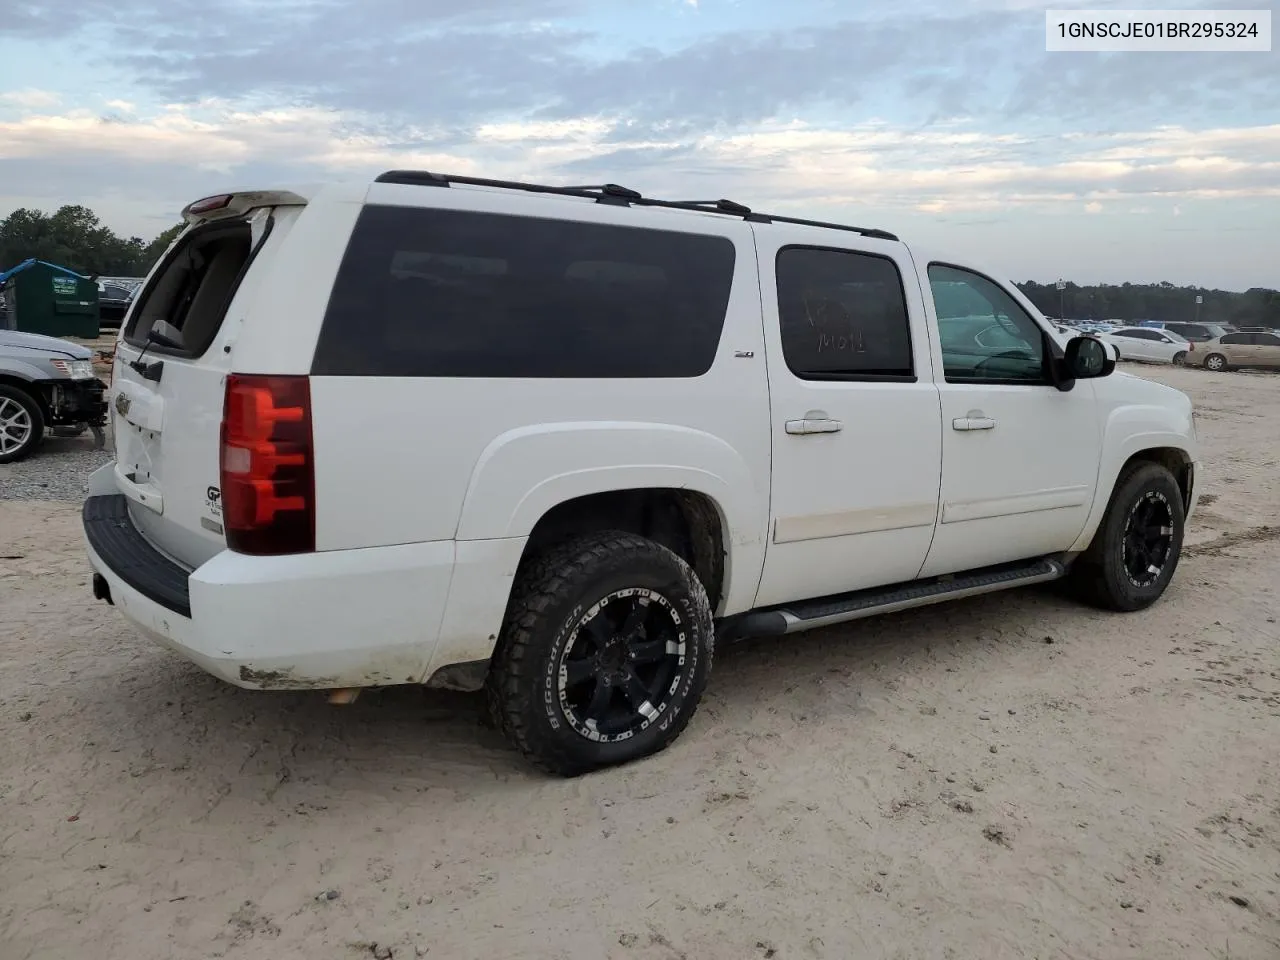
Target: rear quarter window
pixel 445 293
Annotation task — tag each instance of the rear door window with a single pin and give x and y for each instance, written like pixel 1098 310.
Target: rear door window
pixel 843 315
pixel 447 293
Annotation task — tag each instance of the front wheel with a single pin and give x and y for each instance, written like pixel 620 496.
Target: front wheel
pixel 1215 362
pixel 1136 548
pixel 21 424
pixel 1180 358
pixel 604 653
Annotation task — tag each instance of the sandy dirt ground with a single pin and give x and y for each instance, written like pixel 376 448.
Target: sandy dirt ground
pixel 1011 776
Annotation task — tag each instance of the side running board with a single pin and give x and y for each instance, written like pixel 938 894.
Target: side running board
pixel 825 611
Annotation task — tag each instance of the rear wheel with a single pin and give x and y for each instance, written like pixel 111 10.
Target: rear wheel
pixel 21 424
pixel 1136 549
pixel 604 653
pixel 1215 362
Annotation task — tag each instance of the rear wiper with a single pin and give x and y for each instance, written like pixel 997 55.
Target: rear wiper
pixel 156 337
pixel 152 371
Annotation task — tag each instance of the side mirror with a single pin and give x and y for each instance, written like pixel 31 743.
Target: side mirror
pixel 1087 357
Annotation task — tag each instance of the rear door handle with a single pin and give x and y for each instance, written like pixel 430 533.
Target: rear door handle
pixel 973 423
pixel 822 425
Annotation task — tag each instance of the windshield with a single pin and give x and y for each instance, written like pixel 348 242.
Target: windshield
pixel 1215 330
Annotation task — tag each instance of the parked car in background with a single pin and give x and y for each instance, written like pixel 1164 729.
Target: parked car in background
pixel 45 383
pixel 114 297
pixel 1069 329
pixel 1150 346
pixel 1195 332
pixel 1240 350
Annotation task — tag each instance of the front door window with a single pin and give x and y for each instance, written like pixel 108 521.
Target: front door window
pixel 986 336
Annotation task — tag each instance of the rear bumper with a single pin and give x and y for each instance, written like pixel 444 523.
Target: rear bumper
pixel 116 542
pixel 345 618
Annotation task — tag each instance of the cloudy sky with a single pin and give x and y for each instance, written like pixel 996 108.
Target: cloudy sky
pixel 943 120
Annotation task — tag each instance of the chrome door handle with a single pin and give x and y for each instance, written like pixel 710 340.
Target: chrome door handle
pixel 801 427
pixel 973 423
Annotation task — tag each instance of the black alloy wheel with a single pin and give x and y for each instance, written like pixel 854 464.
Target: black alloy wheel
pixel 621 665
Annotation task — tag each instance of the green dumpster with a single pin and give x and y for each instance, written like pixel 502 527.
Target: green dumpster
pixel 46 298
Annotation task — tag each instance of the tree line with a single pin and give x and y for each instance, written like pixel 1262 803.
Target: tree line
pixel 74 237
pixel 1131 302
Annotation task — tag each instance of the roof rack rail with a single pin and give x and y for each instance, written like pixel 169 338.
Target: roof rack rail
pixel 612 193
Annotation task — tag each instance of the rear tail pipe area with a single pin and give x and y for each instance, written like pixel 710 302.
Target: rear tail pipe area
pixel 102 589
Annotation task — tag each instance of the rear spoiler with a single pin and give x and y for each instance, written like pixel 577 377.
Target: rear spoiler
pixel 224 205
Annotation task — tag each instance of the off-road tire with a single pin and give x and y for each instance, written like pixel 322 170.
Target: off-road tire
pixel 32 407
pixel 1098 577
pixel 1215 362
pixel 550 596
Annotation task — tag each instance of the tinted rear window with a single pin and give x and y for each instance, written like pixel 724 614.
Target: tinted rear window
pixel 448 293
pixel 843 315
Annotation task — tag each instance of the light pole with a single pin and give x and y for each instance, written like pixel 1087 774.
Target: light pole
pixel 1199 300
pixel 1062 285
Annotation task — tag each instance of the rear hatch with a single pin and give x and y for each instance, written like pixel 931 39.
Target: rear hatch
pixel 172 359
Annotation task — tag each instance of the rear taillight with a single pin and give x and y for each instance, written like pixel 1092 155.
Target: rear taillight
pixel 267 467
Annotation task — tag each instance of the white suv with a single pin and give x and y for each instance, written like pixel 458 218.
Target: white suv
pixel 558 442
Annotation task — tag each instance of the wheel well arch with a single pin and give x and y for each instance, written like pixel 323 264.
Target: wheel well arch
pixel 27 387
pixel 1174 459
pixel 687 522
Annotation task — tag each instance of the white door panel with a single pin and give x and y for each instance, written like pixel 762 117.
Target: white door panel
pixel 1019 456
pixel 1167 348
pixel 856 430
pixel 1133 348
pixel 1000 500
pixel 1139 349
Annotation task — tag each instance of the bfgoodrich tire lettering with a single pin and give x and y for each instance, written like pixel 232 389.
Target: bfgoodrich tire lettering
pixel 604 653
pixel 1136 549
